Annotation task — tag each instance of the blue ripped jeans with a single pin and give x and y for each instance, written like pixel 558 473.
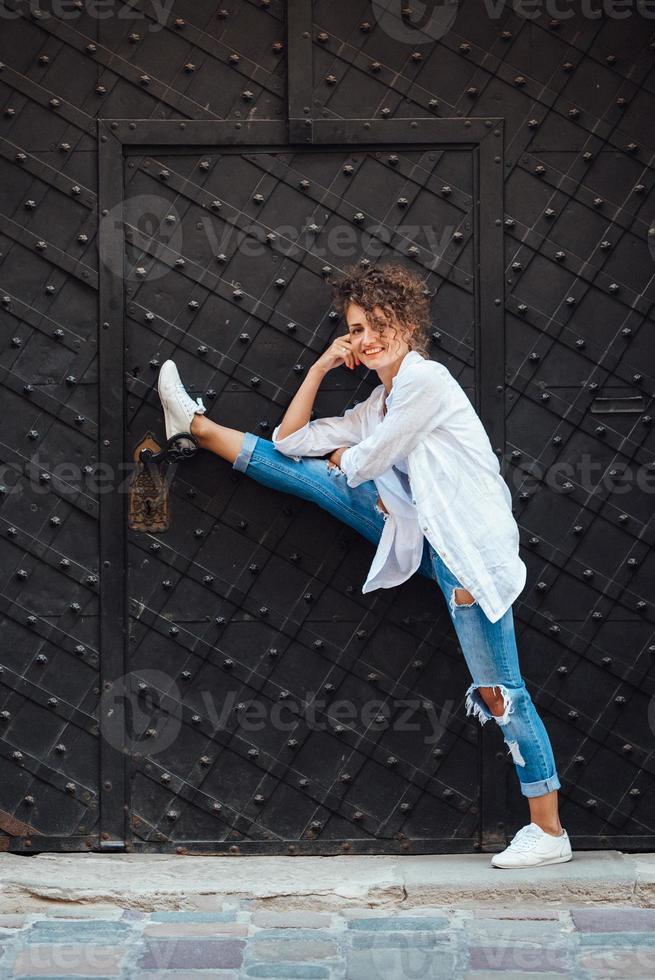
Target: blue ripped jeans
pixel 489 648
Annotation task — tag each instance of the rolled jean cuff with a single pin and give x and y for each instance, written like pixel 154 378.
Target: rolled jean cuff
pixel 246 451
pixel 541 787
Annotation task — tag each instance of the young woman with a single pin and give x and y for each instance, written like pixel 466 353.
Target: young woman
pixel 412 469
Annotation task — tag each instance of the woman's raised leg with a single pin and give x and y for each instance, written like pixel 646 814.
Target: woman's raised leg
pixel 309 477
pixel 216 438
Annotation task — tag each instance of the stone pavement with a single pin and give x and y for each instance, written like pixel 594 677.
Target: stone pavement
pixel 240 940
pixel 156 882
pixel 339 918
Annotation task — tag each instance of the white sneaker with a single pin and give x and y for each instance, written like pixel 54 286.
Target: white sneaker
pixel 531 846
pixel 179 407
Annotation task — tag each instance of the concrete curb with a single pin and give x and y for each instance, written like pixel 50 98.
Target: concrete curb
pixel 163 881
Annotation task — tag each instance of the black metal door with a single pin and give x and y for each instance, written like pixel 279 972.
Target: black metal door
pixel 251 602
pixel 254 597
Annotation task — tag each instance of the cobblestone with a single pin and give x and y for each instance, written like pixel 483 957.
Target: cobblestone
pixel 624 963
pixel 241 941
pixel 614 920
pixel 398 923
pixel 198 954
pixel 291 919
pixel 67 931
pixel 292 949
pixel 531 958
pixel 68 960
pixel 396 964
pixel 288 971
pixel 193 916
pixel 172 929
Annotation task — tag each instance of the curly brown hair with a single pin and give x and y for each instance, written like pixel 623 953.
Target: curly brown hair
pixel 398 291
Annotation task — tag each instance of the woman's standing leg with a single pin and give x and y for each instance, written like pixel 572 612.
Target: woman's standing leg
pixel 492 658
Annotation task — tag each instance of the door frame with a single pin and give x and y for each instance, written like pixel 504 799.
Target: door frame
pixel 116 139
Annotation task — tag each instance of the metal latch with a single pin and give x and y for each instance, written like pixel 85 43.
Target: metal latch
pixel 149 508
pixel 616 404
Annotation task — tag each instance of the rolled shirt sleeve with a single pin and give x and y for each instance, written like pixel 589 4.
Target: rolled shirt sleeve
pixel 417 404
pixel 321 436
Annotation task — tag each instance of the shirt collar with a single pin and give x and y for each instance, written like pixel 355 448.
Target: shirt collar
pixel 409 358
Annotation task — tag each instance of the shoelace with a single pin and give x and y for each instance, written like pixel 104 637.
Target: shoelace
pixel 525 838
pixel 182 391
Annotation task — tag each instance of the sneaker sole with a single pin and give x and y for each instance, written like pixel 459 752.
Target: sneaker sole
pixel 539 864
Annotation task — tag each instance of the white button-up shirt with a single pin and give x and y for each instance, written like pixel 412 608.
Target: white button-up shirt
pixel 460 501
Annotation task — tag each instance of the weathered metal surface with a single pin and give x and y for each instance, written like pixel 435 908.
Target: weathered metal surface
pixel 251 596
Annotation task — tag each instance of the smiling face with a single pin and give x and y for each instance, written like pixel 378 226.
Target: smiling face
pixel 375 348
